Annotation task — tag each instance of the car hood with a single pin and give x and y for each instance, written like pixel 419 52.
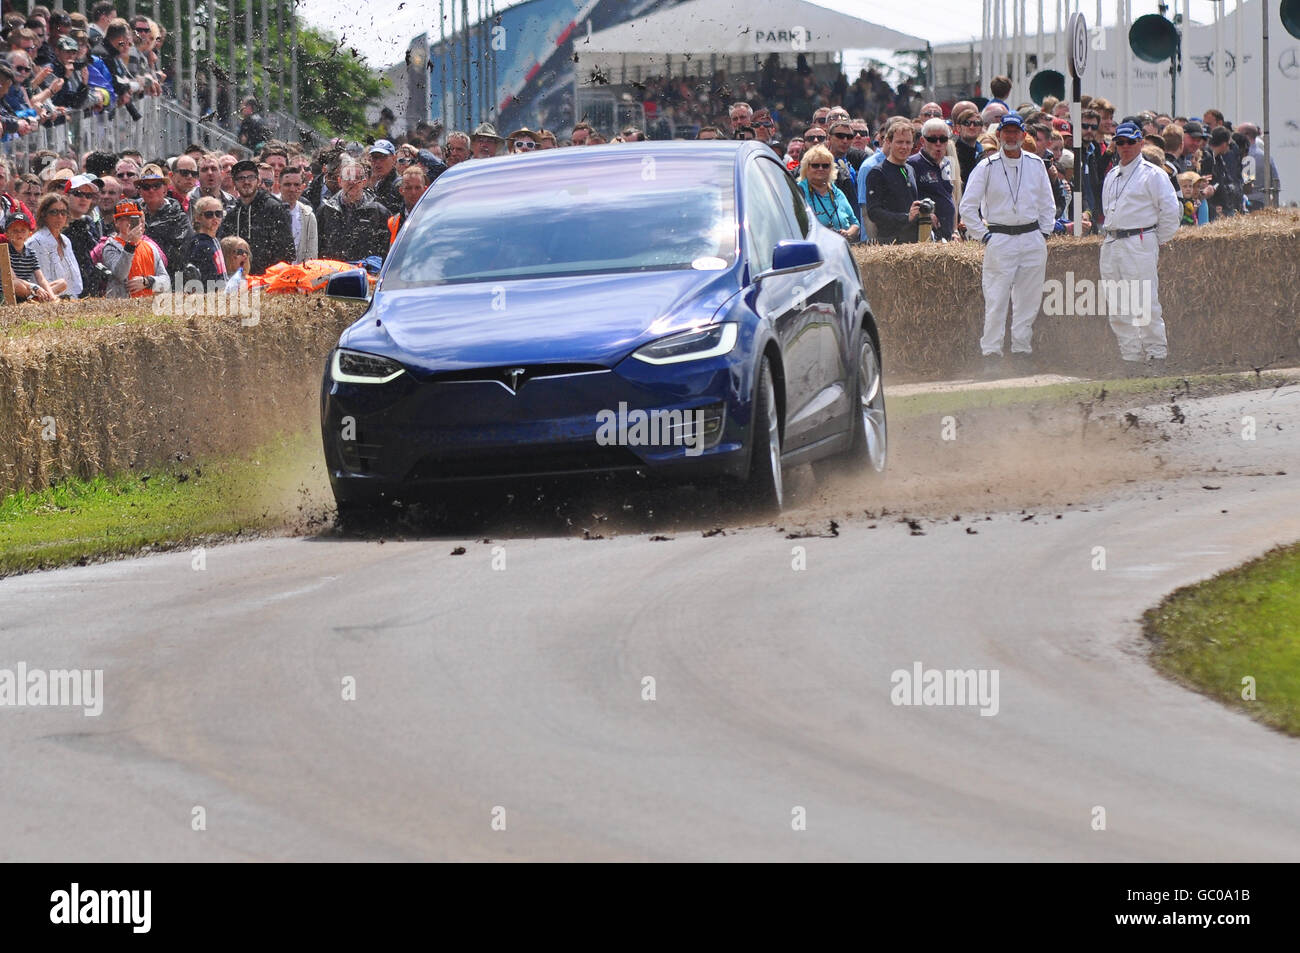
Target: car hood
pixel 582 319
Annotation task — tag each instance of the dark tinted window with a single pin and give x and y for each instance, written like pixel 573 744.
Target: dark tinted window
pixel 628 213
pixel 791 197
pixel 765 220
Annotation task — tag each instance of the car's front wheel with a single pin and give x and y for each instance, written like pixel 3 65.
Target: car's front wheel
pixel 869 450
pixel 764 489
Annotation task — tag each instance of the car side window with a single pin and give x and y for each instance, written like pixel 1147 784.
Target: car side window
pixel 791 199
pixel 765 221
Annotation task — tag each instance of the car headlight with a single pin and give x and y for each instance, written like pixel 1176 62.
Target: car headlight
pixel 356 367
pixel 693 345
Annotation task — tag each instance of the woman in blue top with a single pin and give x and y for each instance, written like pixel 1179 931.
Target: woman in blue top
pixel 827 202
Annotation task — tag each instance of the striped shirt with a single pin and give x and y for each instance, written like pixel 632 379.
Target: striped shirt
pixel 24 263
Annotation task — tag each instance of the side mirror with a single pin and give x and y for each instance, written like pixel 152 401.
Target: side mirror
pixel 790 257
pixel 348 284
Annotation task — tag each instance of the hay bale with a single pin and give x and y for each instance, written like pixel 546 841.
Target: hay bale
pixel 1228 292
pixel 124 388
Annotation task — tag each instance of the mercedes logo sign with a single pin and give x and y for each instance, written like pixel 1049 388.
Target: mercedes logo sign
pixel 1077 31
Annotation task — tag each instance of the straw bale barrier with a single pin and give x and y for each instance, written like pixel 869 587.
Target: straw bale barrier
pixel 1230 294
pixel 103 386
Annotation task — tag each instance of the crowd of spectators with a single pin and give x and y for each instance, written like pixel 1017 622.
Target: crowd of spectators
pixel 880 166
pixel 127 225
pixel 55 63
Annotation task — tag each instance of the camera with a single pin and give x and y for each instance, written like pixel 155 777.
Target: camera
pixel 927 207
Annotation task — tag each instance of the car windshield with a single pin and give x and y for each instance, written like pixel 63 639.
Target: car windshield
pixel 635 213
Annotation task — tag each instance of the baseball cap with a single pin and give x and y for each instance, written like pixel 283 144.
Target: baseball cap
pixel 150 171
pixel 1011 119
pixel 1062 126
pixel 20 214
pixel 85 178
pixel 127 210
pixel 1128 130
pixel 67 43
pixel 244 165
pixel 1195 129
pixel 1220 136
pixel 383 147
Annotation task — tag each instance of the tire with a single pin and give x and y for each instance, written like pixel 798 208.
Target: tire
pixel 765 486
pixel 869 451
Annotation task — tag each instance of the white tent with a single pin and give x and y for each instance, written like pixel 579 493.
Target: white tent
pixel 698 29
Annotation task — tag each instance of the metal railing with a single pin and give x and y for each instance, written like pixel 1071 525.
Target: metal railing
pixel 164 128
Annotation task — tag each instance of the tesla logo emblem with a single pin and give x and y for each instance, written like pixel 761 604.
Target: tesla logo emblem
pixel 514 376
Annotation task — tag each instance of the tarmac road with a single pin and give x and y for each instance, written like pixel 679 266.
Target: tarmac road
pixel 522 688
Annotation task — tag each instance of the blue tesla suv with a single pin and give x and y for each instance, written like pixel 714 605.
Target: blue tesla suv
pixel 665 307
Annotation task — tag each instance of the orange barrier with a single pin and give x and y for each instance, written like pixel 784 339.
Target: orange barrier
pixel 305 278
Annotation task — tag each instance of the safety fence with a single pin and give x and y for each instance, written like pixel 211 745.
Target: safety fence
pixel 158 127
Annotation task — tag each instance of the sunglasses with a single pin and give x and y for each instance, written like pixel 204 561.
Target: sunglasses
pixel 936 139
pixel 819 165
pixel 246 177
pixel 814 138
pixel 127 175
pixel 213 213
pixel 22 69
pixel 188 173
pixel 931 114
pixel 151 186
pixel 525 144
pixel 405 160
pixel 972 122
pixel 142 30
pixel 84 195
pixel 843 135
pixel 1089 125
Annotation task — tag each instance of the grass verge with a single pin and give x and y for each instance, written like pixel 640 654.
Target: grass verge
pixel 164 507
pixel 1242 624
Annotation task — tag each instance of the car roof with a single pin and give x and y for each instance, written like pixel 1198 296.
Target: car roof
pixel 589 157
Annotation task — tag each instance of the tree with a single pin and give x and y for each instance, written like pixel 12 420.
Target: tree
pixel 334 82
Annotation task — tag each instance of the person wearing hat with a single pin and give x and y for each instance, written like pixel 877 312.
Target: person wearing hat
pixel 383 175
pixel 1222 164
pixel 85 228
pixel 1142 212
pixel 484 143
pixel 521 140
pixel 259 218
pixel 1008 205
pixel 70 83
pixel 165 221
pixel 134 261
pixel 29 281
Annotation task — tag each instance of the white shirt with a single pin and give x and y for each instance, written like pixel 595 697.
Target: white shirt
pixel 1005 191
pixel 53 265
pixel 1138 195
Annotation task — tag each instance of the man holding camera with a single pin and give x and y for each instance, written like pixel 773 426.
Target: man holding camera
pixel 932 169
pixel 1008 205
